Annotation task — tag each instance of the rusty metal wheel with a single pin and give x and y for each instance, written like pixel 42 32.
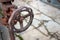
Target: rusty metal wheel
pixel 16 15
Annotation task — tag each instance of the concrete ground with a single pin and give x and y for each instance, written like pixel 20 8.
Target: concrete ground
pixel 45 12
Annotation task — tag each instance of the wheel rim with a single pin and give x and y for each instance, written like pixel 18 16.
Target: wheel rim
pixel 20 19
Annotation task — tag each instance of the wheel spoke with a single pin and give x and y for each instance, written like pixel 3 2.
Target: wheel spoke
pixel 26 16
pixel 21 24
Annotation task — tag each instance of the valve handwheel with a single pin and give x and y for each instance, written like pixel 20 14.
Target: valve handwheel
pixel 16 15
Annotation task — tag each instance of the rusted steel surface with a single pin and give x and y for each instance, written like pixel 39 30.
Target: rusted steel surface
pixel 7 11
pixel 12 15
